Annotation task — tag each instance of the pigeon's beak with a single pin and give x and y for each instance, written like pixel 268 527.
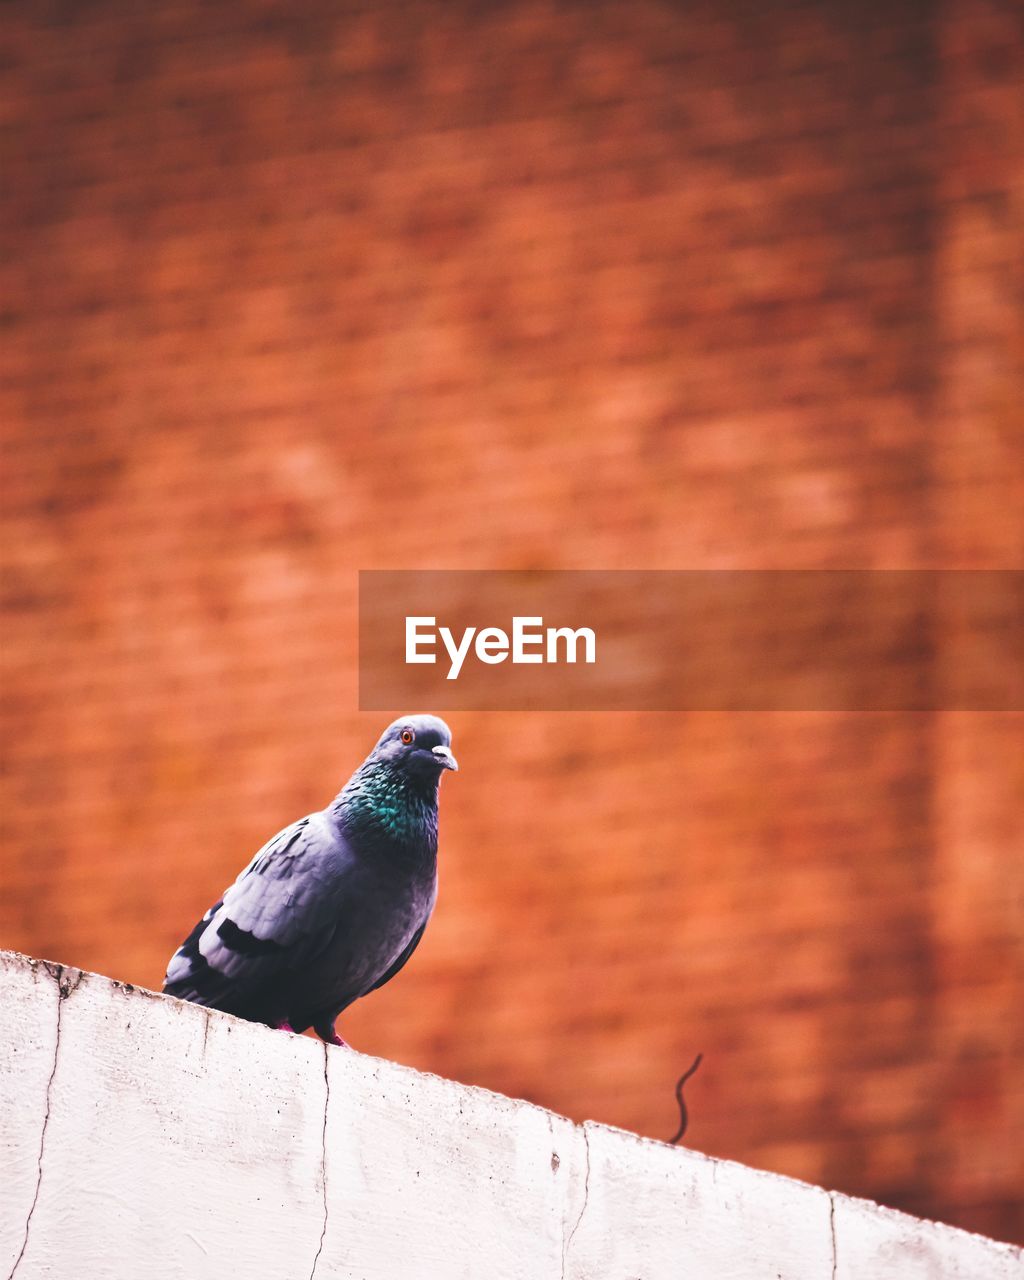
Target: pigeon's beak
pixel 444 757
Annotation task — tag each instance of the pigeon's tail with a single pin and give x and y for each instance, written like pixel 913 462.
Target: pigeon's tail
pixel 190 977
pixel 186 969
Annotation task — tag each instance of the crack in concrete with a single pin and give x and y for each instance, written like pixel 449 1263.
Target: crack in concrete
pixel 323 1159
pixel 63 991
pixel 586 1196
pixel 832 1229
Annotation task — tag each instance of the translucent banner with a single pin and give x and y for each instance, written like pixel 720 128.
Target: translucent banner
pixel 691 640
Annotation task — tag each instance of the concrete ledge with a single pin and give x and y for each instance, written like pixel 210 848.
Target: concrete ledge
pixel 142 1135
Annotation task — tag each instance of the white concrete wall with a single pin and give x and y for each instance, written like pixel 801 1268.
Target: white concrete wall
pixel 143 1137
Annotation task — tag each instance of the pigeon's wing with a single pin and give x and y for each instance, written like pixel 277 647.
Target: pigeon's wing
pixel 414 942
pixel 280 913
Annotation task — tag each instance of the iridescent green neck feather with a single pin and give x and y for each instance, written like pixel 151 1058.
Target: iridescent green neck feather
pixel 386 807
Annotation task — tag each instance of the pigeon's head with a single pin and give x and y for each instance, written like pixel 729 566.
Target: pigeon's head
pixel 418 745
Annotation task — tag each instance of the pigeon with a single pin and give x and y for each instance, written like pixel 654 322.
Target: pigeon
pixel 334 905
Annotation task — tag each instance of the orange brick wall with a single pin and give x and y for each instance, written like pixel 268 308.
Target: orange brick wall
pixel 298 290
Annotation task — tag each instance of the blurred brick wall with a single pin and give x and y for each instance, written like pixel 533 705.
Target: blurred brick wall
pixel 291 293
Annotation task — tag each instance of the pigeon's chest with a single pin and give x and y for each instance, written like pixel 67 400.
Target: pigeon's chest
pixel 392 907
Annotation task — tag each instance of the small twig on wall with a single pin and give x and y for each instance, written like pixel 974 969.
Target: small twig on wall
pixel 684 1118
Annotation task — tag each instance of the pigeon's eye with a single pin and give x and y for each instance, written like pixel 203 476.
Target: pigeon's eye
pixel 408 736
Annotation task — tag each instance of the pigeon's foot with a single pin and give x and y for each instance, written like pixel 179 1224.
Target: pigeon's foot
pixel 285 1026
pixel 327 1033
